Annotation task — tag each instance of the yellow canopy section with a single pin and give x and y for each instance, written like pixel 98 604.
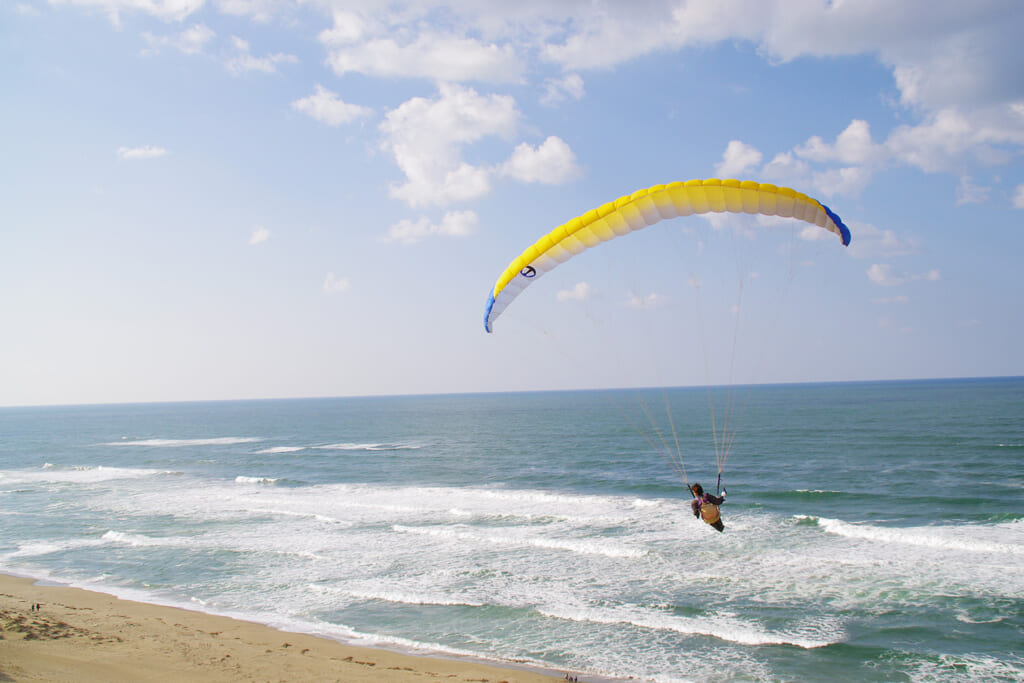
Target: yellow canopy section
pixel 647 207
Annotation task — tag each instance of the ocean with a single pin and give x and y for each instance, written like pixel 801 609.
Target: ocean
pixel 873 530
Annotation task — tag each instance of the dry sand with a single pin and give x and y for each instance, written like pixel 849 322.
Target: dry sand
pixel 87 637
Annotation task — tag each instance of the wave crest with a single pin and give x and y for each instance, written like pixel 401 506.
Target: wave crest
pixel 947 538
pixel 177 443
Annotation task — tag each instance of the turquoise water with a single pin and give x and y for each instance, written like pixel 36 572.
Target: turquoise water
pixel 873 530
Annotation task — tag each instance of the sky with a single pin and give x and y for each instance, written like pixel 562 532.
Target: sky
pixel 234 199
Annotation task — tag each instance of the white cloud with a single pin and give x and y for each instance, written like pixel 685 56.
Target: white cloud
pixel 888 300
pixel 410 232
pixel 873 242
pixel 326 107
pixel 1018 197
pixel 258 10
pixel 426 137
pixel 348 28
pixel 167 10
pixel 955 64
pixel 935 145
pixel 786 169
pixel 336 285
pixel 745 226
pixel 558 90
pixel 965 52
pixel 259 235
pixel 616 33
pixel 812 233
pixel 553 163
pixel 581 291
pixel 453 224
pixel 852 146
pixel 243 61
pixel 652 300
pixel 436 40
pixel 191 41
pixel 969 193
pixel 856 153
pixel 144 152
pixel 945 142
pixel 447 58
pixel 738 159
pixel 942 53
pixel 847 182
pixel 882 274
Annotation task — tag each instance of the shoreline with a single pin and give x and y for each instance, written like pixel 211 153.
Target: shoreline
pixel 88 636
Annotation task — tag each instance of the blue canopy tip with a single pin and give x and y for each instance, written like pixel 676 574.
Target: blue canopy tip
pixel 487 312
pixel 843 230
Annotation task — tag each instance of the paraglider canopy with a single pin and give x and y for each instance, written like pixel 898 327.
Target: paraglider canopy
pixel 647 207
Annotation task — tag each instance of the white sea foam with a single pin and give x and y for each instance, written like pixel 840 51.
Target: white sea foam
pixel 335 631
pixel 968 619
pixel 240 542
pixel 527 504
pixel 494 537
pixel 483 506
pixel 40 548
pixel 177 443
pixel 310 515
pixel 391 642
pixel 367 447
pixel 137 540
pixel 360 544
pixel 76 474
pixel 599 581
pixel 406 598
pixel 946 668
pixel 723 627
pixel 255 480
pixel 950 538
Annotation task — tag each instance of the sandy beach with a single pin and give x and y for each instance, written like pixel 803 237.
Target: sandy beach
pixel 84 636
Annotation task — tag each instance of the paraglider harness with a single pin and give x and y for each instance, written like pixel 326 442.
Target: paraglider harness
pixel 709 512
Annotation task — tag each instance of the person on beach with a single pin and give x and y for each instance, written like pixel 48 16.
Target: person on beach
pixel 706 505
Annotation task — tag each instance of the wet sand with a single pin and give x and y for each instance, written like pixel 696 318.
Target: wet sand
pixel 88 637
